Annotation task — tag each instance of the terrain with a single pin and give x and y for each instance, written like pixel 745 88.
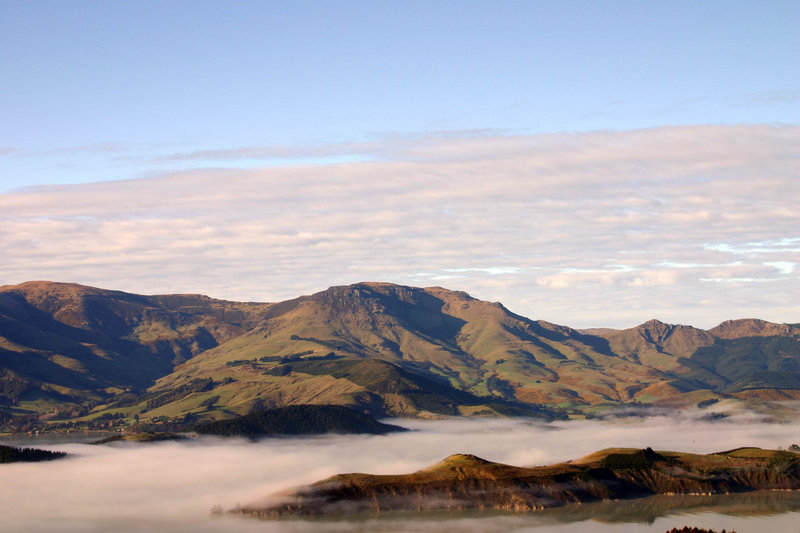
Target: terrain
pixel 464 481
pixel 298 420
pixel 71 354
pixel 63 346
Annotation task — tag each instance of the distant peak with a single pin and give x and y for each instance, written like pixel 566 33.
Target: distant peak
pixel 55 288
pixel 655 323
pixel 744 322
pixel 749 327
pixel 437 289
pixel 41 284
pixel 356 288
pixel 460 460
pixel 464 458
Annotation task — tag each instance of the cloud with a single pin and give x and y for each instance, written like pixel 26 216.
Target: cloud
pixel 94 148
pixel 783 267
pixel 378 147
pixel 585 229
pixel 273 151
pixel 172 486
pixel 769 97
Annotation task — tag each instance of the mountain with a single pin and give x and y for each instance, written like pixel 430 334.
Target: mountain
pixel 657 344
pixel 452 341
pixel 464 481
pixel 63 344
pixel 736 329
pixel 68 350
pixel 746 358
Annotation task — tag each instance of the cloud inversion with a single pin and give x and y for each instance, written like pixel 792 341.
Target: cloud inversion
pixel 172 486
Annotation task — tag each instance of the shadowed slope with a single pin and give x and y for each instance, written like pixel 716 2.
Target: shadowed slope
pixel 62 342
pixel 298 420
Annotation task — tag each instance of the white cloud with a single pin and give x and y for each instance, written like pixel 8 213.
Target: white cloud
pixel 783 267
pixel 172 486
pixel 589 229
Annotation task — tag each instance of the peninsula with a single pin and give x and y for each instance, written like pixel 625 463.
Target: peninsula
pixel 465 481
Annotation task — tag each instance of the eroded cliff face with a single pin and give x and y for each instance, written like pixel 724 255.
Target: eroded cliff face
pixel 468 482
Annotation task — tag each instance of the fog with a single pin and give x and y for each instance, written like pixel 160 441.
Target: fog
pixel 174 485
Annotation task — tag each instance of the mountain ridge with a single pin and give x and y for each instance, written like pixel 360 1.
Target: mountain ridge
pixel 97 352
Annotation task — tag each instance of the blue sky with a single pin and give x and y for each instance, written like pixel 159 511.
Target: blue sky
pixel 610 124
pixel 96 90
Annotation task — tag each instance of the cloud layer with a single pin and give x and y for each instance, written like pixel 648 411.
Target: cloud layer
pixel 172 486
pixel 686 224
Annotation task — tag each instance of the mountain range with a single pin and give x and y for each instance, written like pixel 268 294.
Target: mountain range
pixel 69 351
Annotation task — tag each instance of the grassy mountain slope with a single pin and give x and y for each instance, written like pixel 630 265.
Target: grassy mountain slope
pixel 657 344
pixel 738 357
pixel 474 346
pixel 484 349
pixel 382 348
pixel 64 344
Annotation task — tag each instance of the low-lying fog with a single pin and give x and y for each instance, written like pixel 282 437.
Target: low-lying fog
pixel 174 485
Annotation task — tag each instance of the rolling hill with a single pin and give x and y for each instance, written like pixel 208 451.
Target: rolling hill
pixel 67 350
pixel 464 481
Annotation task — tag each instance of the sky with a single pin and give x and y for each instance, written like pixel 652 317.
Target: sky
pixel 595 163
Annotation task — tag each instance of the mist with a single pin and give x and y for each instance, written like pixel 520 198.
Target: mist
pixel 174 485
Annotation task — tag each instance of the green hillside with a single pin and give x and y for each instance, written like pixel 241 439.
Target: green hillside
pixel 73 354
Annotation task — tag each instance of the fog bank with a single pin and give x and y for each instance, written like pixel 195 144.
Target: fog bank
pixel 173 485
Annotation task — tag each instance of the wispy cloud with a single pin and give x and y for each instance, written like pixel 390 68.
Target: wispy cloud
pixel 273 151
pixel 377 147
pixel 733 101
pixel 769 97
pixel 95 148
pixel 590 229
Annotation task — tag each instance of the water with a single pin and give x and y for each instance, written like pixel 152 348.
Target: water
pixel 172 486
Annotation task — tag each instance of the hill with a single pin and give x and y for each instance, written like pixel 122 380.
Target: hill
pixel 111 357
pixel 464 481
pixel 63 346
pixel 298 420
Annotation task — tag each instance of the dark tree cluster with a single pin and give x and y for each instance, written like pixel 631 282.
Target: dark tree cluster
pixel 687 529
pixel 631 461
pixel 13 454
